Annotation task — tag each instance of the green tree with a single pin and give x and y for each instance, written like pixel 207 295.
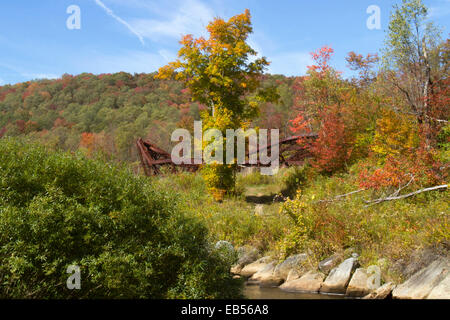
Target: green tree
pixel 220 74
pixel 411 58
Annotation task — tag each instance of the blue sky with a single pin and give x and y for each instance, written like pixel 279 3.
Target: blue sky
pixel 142 35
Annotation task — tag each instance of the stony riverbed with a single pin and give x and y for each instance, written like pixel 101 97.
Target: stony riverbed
pixel 338 276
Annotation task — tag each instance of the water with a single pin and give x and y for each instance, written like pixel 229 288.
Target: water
pixel 256 292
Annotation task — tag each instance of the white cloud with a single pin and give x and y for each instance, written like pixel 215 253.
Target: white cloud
pixel 167 55
pixel 255 46
pixel 184 17
pixel 437 12
pixel 169 19
pixel 441 10
pixel 290 63
pixel 35 76
pixel 129 61
pixel 23 72
pixel 120 20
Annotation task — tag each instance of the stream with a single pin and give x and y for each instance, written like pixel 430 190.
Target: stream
pixel 256 292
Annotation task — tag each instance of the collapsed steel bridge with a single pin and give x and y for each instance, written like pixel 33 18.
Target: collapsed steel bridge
pixel 291 153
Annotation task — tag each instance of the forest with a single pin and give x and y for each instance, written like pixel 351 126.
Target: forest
pixel 106 113
pixel 376 181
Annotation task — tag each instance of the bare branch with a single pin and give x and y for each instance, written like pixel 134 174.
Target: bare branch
pixel 437 120
pixel 406 93
pixel 372 202
pixel 339 197
pixel 401 188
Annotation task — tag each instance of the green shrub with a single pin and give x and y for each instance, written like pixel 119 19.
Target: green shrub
pixel 322 224
pixel 293 179
pixel 444 143
pixel 254 178
pixel 129 238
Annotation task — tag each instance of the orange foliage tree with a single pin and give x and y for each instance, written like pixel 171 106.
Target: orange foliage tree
pixel 324 107
pixel 220 73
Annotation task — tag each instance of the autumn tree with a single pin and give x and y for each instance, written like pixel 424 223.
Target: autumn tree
pixel 220 73
pixel 411 60
pixel 395 134
pixel 320 110
pixel 343 113
pixel 364 67
pixel 412 86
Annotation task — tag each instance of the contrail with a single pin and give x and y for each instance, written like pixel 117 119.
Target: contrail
pixel 119 19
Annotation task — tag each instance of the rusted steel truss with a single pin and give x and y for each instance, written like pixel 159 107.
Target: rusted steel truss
pixel 153 158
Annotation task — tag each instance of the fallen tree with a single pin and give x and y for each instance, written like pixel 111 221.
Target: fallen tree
pixel 396 197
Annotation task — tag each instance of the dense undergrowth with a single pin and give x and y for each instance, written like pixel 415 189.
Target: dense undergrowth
pixel 151 237
pixel 128 237
pixel 313 221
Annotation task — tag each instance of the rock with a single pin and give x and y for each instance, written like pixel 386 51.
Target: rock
pixel 236 270
pixel 348 252
pixel 421 284
pixel 359 285
pixel 265 277
pixel 246 255
pixel 254 267
pixel 382 263
pixel 270 282
pixel 224 245
pixel 265 272
pixel 329 263
pixel 293 262
pixel 309 282
pixel 259 209
pixel 226 250
pixel 337 280
pixel 382 292
pixel 248 170
pixel 442 290
pixel 420 259
pixel 293 274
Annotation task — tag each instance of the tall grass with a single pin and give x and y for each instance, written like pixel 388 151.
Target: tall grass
pixel 312 220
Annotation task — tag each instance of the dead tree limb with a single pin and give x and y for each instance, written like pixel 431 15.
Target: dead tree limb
pixel 372 202
pixel 339 197
pixel 400 188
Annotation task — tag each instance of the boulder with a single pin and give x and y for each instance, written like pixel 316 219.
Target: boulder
pixel 309 282
pixel 329 263
pixel 265 277
pixel 224 245
pixel 419 259
pixel 248 170
pixel 236 269
pixel 226 250
pixel 382 292
pixel 259 210
pixel 442 290
pixel 246 255
pixel 293 262
pixel 293 274
pixel 421 284
pixel 256 266
pixel 359 285
pixel 337 280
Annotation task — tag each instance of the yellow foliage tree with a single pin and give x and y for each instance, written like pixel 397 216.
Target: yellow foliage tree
pixel 221 75
pixel 394 134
